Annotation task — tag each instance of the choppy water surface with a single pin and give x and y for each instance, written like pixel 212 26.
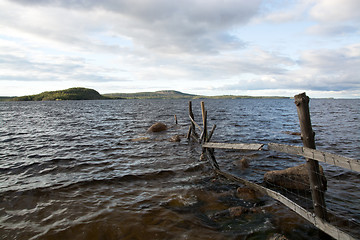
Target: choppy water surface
pixel 89 170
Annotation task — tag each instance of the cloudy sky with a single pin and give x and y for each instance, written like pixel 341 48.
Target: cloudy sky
pixel 209 47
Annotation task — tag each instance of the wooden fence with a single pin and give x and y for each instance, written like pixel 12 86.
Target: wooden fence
pixel 319 217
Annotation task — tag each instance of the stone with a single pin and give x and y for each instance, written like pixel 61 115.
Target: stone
pixel 140 139
pixel 203 157
pixel 237 211
pixel 175 138
pixel 243 163
pixel 246 194
pixel 277 236
pixel 157 127
pixel 293 133
pixel 295 178
pixel 233 212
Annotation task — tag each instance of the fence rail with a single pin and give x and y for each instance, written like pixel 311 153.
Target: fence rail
pixel 238 146
pixel 311 217
pixel 329 158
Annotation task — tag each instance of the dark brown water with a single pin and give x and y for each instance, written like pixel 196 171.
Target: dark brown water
pixel 89 170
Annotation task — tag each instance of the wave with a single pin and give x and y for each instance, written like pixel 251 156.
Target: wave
pixel 26 166
pixel 147 176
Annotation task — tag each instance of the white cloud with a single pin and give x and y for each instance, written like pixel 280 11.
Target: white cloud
pixel 329 17
pixel 335 17
pixel 172 26
pixel 336 10
pixel 333 70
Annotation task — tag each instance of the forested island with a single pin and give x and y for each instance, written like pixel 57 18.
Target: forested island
pixel 67 94
pixel 80 93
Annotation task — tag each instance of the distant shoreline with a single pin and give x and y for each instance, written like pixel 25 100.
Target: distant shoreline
pixel 91 94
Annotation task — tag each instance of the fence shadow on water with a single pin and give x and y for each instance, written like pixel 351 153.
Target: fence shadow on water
pixel 326 196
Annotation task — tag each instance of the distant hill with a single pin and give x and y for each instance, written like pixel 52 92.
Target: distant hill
pixel 171 94
pixel 164 94
pixel 67 94
pixel 5 98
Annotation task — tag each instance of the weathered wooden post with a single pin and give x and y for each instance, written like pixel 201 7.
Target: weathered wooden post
pixel 204 118
pixel 308 139
pixel 192 126
pixel 204 132
pixel 211 132
pixel 205 138
pixel 189 133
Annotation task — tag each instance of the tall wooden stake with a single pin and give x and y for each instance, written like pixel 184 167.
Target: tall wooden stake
pixel 204 117
pixel 192 124
pixel 307 134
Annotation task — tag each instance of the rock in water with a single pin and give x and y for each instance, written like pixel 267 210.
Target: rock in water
pixel 157 127
pixel 243 163
pixel 295 178
pixel 246 194
pixel 175 138
pixel 233 212
pixel 277 236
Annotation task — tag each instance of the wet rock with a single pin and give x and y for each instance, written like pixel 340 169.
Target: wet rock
pixel 233 212
pixel 203 157
pixel 295 178
pixel 246 194
pixel 238 211
pixel 177 201
pixel 277 236
pixel 140 139
pixel 243 163
pixel 175 138
pixel 293 133
pixel 157 127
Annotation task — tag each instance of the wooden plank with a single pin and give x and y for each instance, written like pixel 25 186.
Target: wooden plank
pixel 329 158
pixel 316 221
pixel 238 146
pixel 285 148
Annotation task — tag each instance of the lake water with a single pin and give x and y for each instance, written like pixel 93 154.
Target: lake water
pixel 89 170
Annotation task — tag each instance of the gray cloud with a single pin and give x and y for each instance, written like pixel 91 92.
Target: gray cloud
pixel 53 68
pixel 195 26
pixel 334 30
pixel 321 70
